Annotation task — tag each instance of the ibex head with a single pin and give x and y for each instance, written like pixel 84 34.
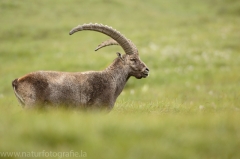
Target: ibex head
pixel 131 59
pixel 136 67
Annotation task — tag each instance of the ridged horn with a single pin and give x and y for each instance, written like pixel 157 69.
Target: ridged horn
pixel 106 43
pixel 125 43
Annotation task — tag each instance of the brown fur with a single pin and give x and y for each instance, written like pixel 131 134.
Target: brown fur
pixel 95 89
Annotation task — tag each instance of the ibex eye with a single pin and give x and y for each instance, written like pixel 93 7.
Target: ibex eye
pixel 133 60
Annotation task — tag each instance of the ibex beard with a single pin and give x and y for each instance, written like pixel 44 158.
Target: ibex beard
pixel 87 90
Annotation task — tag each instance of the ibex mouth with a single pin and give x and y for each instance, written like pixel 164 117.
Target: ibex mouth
pixel 145 74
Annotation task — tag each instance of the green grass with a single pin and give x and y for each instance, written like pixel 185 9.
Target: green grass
pixel 187 108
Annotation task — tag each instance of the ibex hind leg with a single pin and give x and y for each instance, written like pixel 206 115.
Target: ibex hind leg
pixel 25 99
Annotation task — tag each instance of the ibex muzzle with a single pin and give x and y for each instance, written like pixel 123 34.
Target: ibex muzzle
pixel 92 89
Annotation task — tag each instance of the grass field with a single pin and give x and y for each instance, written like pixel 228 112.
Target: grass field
pixel 188 108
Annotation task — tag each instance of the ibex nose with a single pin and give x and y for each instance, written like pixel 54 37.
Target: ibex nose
pixel 146 72
pixel 147 69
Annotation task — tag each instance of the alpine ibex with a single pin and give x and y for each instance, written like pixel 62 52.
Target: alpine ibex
pixel 92 89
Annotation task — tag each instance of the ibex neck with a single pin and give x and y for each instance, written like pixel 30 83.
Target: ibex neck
pixel 119 74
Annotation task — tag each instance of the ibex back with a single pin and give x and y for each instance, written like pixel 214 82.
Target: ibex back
pixel 92 89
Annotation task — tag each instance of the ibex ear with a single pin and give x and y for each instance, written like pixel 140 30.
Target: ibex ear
pixel 119 55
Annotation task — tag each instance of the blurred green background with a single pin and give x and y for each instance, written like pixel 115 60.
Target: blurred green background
pixel 187 108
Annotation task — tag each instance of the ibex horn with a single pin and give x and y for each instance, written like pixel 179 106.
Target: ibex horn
pixel 125 43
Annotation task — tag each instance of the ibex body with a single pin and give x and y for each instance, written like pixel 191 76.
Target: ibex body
pixel 92 89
